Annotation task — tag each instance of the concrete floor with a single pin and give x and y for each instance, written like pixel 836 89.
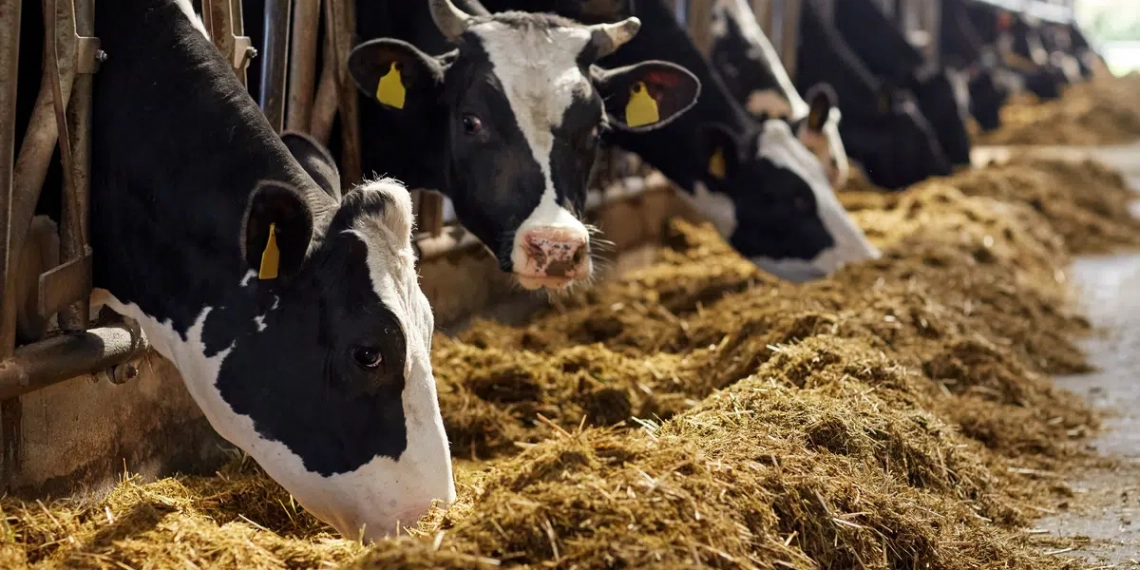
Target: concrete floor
pixel 1100 526
pixel 1102 522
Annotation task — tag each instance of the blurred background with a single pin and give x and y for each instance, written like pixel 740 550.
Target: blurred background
pixel 1115 26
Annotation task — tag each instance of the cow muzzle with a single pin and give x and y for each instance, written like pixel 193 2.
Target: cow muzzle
pixel 551 257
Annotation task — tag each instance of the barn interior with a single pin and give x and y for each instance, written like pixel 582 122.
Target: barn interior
pixel 964 401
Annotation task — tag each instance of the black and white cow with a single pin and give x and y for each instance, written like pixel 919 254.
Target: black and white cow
pixel 963 50
pixel 752 71
pixel 887 53
pixel 513 118
pixel 883 128
pixel 293 314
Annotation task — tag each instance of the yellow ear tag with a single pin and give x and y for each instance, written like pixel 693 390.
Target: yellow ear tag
pixel 641 109
pixel 716 165
pixel 390 91
pixel 270 257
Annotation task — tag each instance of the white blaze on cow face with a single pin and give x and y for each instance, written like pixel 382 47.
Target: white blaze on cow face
pixel 778 145
pixel 541 79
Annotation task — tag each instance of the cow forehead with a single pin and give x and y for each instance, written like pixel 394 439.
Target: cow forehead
pixel 537 68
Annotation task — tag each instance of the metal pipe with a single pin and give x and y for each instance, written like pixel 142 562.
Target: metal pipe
pixel 275 62
pixel 341 18
pixel 325 101
pixel 37 366
pixel 73 217
pixel 9 66
pixel 790 34
pixel 36 150
pixel 303 64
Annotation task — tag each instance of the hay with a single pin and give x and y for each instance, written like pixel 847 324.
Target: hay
pixel 1100 112
pixel 699 413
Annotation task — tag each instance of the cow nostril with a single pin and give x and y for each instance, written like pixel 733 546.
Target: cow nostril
pixel 579 254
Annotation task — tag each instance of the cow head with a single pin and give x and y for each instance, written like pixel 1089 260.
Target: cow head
pixel 525 110
pixel 895 144
pixel 331 388
pixel 987 97
pixel 944 108
pixel 770 198
pixel 819 132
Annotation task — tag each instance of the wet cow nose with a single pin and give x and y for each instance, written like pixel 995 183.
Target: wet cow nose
pixel 555 252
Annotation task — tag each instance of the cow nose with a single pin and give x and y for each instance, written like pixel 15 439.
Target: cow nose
pixel 379 528
pixel 556 253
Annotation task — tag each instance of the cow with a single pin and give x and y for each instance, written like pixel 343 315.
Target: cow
pixel 752 71
pixel 513 118
pixel 882 126
pixel 1056 41
pixel 754 180
pixel 292 313
pixel 963 50
pixel 887 53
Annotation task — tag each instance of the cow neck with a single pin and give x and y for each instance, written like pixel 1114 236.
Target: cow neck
pixel 178 147
pixel 877 42
pixel 672 149
pixel 825 57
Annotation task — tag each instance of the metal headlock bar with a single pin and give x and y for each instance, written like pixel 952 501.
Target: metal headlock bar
pixel 61 116
pixel 224 23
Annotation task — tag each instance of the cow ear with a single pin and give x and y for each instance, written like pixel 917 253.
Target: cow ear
pixel 395 73
pixel 821 100
pixel 646 96
pixel 315 159
pixel 278 230
pixel 719 151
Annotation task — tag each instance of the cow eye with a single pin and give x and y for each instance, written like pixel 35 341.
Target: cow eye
pixel 367 356
pixel 802 204
pixel 472 124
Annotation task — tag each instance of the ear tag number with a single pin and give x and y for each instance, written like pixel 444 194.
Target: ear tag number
pixel 390 91
pixel 271 257
pixel 641 109
pixel 717 167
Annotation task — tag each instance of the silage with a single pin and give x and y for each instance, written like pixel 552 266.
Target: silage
pixel 1100 112
pixel 699 413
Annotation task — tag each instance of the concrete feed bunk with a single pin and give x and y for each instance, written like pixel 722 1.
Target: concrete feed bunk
pixel 895 415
